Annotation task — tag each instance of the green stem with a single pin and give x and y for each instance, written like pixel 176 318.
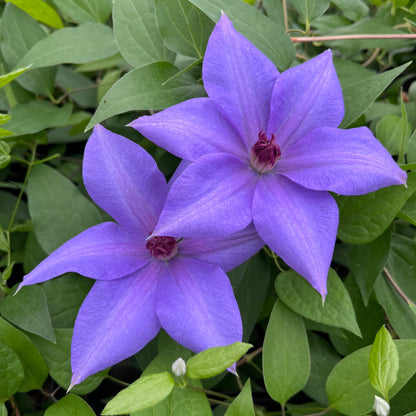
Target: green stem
pixel 210 392
pixel 116 380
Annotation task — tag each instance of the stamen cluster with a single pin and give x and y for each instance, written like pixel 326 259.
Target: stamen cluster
pixel 265 153
pixel 162 248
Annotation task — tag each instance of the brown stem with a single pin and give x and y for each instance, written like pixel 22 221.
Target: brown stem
pixel 397 288
pixel 285 17
pixel 352 37
pixel 371 58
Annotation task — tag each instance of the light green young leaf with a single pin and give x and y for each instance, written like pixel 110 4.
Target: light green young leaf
pixel 242 404
pixel 184 28
pixel 19 34
pixel 34 367
pixel 40 11
pixel 76 45
pixel 144 392
pixel 4 245
pixel 28 310
pixel 146 88
pixel 359 96
pixel 5 157
pixel 389 131
pixel 6 78
pixel 286 360
pixel 11 372
pixel 383 364
pixel 265 33
pixel 4 118
pixel 3 409
pixel 301 297
pixel 349 388
pixel 83 11
pixel 137 33
pixel 70 405
pixel 58 209
pixel 363 218
pixel 310 9
pixel 213 361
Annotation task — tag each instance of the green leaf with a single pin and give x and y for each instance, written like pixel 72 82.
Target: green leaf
pixel 3 409
pixel 301 297
pixel 11 372
pixel 58 209
pixel 70 405
pixel 19 33
pixel 286 360
pixel 408 211
pixel 363 218
pixel 323 360
pixel 137 34
pixel 41 11
pixel 65 296
pixel 4 118
pixel 77 45
pixel 359 96
pixel 213 361
pixel 250 283
pixel 36 116
pixel 144 392
pixel 401 266
pixel 28 310
pixel 184 28
pixel 5 79
pixel 389 131
pixel 349 388
pixel 310 9
pixel 352 9
pixel 58 358
pixel 242 404
pixel 265 34
pixel 83 11
pixel 34 367
pixel 383 364
pixel 146 88
pixel 367 262
pixel 4 244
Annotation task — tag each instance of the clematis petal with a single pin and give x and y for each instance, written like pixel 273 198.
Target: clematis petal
pixel 124 180
pixel 192 129
pixel 116 320
pixel 196 305
pixel 211 198
pixel 103 252
pixel 299 225
pixel 305 97
pixel 349 162
pixel 239 78
pixel 226 252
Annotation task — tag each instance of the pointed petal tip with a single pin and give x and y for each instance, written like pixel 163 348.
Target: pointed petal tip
pixel 19 288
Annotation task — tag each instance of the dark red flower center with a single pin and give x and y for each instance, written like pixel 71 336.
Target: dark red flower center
pixel 162 248
pixel 264 153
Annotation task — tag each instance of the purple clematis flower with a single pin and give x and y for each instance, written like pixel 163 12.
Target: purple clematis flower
pixel 266 148
pixel 143 284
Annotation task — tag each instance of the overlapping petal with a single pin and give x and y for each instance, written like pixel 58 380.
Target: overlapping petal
pixel 211 198
pixel 349 162
pixel 132 193
pixel 102 252
pixel 196 305
pixel 305 97
pixel 226 252
pixel 192 129
pixel 298 224
pixel 239 78
pixel 117 319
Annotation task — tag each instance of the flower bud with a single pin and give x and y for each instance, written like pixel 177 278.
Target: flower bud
pixel 179 367
pixel 381 407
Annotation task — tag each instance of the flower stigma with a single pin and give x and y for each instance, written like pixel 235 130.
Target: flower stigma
pixel 162 248
pixel 264 153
